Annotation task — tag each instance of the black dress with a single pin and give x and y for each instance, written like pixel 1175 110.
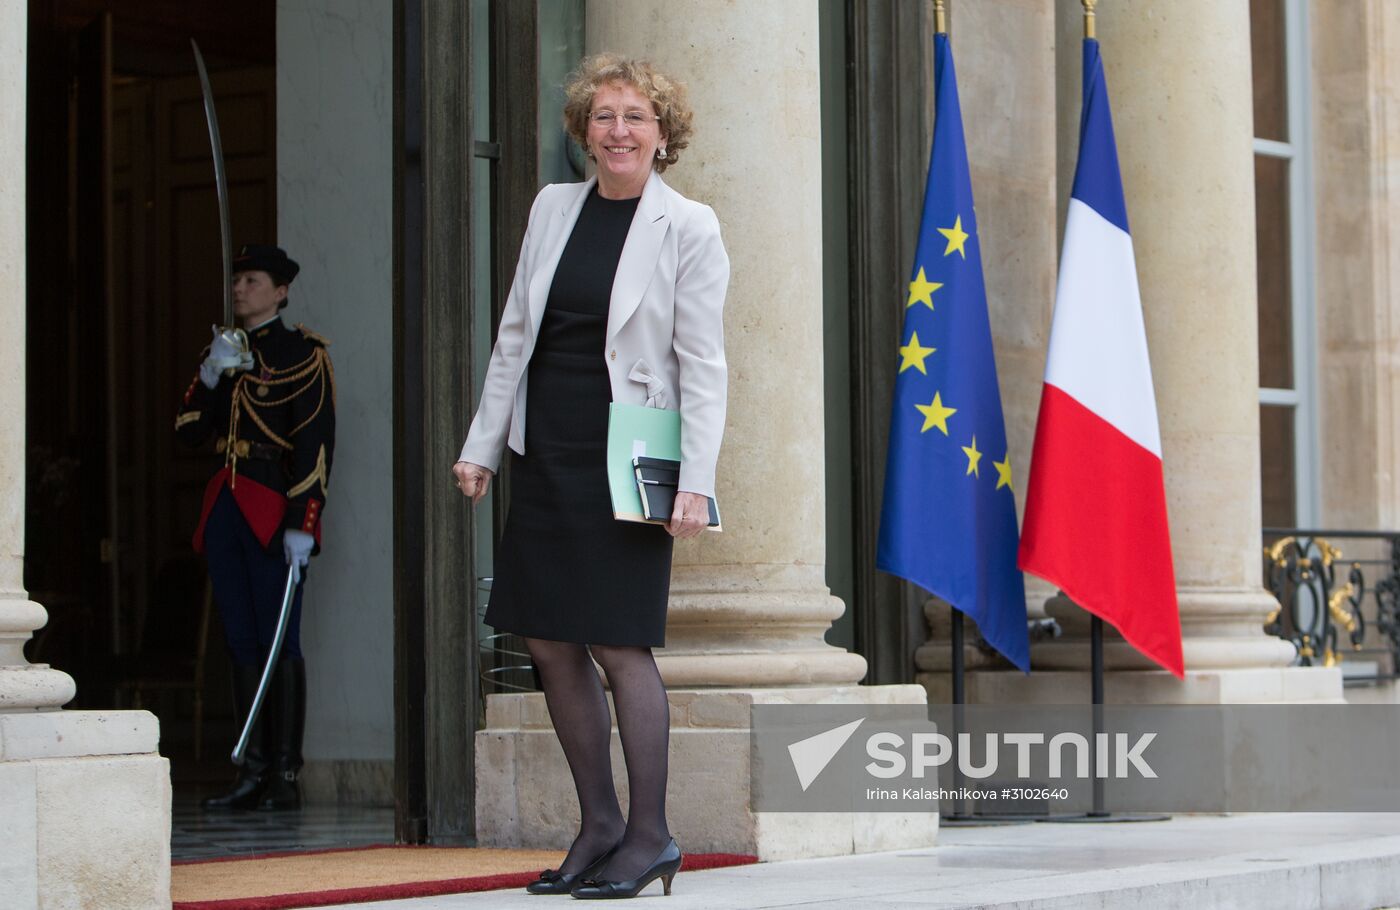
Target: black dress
pixel 565 569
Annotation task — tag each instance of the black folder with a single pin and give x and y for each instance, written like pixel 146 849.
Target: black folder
pixel 657 479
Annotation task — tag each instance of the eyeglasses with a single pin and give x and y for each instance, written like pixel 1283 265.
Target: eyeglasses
pixel 632 119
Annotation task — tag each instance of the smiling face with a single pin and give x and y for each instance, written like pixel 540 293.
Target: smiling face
pixel 624 154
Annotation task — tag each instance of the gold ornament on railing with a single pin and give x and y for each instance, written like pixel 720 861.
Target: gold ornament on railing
pixel 1334 606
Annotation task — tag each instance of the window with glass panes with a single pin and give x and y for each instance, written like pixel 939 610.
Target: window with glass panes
pixel 1287 418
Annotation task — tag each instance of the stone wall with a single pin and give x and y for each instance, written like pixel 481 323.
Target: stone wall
pixel 1355 139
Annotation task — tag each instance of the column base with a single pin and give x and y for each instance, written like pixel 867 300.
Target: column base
pixel 739 626
pixel 825 665
pixel 34 687
pixel 525 795
pixel 1255 685
pixel 25 686
pixel 87 811
pixel 1252 652
pixel 1221 629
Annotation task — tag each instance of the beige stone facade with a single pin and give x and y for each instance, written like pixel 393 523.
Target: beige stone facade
pixel 751 610
pixel 1356 166
pixel 1180 84
pixel 1355 142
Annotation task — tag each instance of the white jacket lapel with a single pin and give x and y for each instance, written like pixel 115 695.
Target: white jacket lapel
pixel 639 254
pixel 552 249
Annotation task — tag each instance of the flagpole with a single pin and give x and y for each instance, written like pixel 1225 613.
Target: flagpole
pixel 1096 674
pixel 959 813
pixel 958 567
pixel 1098 810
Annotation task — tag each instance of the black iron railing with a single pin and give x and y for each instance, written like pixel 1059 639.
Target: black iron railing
pixel 1326 583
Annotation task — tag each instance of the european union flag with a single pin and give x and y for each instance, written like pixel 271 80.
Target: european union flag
pixel 949 518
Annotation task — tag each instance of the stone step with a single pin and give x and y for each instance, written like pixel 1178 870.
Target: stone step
pixel 1275 861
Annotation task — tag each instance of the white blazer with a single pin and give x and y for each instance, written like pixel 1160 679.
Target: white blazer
pixel 665 338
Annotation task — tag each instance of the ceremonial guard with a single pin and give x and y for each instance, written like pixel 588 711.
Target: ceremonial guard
pixel 271 409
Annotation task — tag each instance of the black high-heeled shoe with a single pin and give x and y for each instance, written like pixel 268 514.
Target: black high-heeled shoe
pixel 664 867
pixel 552 882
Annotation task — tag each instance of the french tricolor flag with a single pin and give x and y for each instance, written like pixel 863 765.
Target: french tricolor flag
pixel 1096 511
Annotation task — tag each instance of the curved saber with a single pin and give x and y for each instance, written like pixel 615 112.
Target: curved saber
pixel 272 655
pixel 220 181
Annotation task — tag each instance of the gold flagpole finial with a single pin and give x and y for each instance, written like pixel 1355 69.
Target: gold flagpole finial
pixel 940 17
pixel 1089 17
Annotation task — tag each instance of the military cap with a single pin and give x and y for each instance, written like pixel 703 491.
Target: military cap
pixel 261 257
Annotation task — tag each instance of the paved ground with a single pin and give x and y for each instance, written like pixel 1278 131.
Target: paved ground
pixel 1271 862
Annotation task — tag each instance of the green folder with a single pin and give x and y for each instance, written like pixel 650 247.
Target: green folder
pixel 635 430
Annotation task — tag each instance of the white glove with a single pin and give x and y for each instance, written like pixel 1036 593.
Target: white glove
pixel 296 546
pixel 224 354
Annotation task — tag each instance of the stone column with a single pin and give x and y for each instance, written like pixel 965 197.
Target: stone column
pixel 86 800
pixel 23 686
pixel 1180 85
pixel 1355 136
pixel 749 607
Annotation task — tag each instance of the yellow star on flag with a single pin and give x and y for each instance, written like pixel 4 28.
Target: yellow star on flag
pixel 921 290
pixel 935 414
pixel 914 355
pixel 973 456
pixel 956 238
pixel 1004 472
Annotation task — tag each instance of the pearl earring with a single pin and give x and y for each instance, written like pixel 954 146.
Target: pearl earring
pixel 661 152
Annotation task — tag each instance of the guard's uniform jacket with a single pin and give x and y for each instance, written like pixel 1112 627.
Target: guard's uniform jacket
pixel 275 427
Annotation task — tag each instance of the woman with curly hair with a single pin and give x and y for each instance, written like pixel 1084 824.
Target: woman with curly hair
pixel 618 296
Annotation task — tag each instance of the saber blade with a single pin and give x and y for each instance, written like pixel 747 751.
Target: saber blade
pixel 241 749
pixel 220 181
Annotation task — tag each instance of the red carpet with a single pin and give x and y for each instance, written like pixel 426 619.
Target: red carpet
pixel 325 877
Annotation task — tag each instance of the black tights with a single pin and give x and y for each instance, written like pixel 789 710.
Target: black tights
pixel 579 710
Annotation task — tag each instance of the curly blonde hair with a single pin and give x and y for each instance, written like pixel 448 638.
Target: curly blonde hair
pixel 666 95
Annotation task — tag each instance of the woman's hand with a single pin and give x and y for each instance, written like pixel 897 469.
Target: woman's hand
pixel 472 479
pixel 690 514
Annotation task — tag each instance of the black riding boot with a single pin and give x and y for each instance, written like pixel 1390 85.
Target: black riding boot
pixel 289 717
pixel 252 777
